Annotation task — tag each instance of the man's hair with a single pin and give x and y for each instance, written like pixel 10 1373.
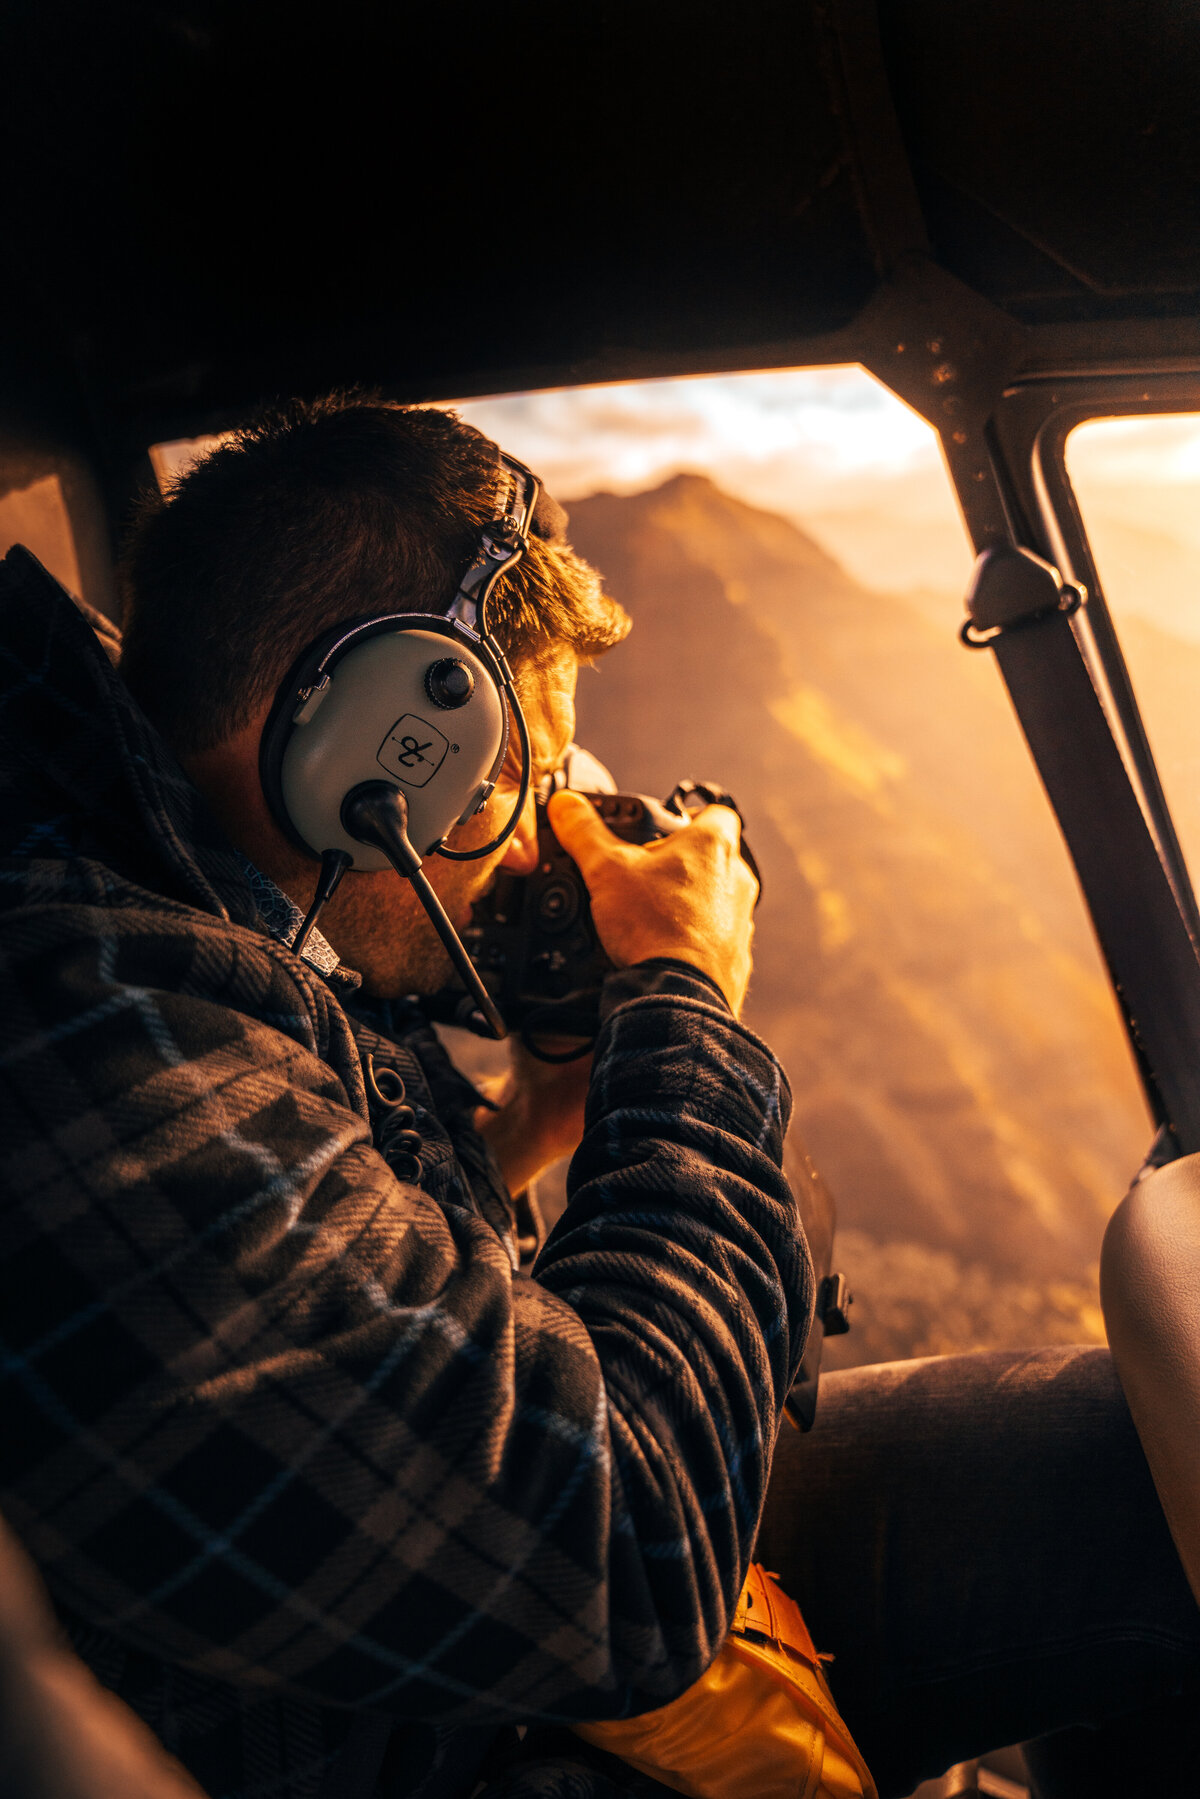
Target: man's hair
pixel 313 514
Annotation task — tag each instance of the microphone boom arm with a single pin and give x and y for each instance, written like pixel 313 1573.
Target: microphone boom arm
pixel 377 813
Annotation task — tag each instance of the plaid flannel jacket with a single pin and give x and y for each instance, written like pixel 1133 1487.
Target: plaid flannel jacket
pixel 289 1438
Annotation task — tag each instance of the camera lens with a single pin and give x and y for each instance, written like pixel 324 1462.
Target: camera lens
pixel 558 906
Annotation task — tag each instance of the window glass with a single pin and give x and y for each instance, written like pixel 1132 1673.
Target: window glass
pixel 1138 485
pixel 171 460
pixel 51 504
pixel 35 514
pixel 791 552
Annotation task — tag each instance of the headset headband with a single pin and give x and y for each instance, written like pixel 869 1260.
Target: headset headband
pixel 502 544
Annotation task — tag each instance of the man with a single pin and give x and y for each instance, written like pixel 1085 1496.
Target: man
pixel 324 1488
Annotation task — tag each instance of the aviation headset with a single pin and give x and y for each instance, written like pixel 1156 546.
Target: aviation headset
pixel 389 730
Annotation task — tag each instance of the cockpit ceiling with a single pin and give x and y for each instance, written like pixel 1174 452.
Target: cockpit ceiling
pixel 1056 149
pixel 211 199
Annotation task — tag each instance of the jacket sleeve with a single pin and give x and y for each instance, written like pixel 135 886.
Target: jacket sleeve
pixel 280 1418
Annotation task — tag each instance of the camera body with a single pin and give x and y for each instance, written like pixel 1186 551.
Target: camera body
pixel 532 937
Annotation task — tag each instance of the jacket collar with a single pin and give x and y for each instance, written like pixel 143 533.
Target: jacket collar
pixel 83 772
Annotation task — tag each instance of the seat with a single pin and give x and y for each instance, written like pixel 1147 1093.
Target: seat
pixel 1150 1292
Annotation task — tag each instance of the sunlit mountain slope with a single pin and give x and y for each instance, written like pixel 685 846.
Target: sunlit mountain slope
pixel 923 964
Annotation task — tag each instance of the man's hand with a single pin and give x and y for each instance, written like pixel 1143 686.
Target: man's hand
pixel 690 895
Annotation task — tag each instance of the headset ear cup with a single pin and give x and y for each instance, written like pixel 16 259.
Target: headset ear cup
pixel 412 700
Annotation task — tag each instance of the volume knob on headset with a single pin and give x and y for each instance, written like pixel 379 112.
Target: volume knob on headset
pixel 449 683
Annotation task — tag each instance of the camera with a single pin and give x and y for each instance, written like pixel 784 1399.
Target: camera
pixel 531 937
pixel 532 940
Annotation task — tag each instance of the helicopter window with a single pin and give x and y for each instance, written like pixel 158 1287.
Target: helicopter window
pixel 793 556
pixel 791 551
pixel 50 502
pixel 1137 481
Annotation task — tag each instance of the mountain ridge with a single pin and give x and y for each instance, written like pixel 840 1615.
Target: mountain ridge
pixel 923 965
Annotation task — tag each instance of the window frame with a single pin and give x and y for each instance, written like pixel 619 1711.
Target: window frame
pixel 1027 443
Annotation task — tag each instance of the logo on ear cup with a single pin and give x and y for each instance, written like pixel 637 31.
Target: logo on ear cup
pixel 412 751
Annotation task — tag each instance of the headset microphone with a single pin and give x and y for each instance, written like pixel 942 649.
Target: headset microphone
pixel 391 729
pixel 378 813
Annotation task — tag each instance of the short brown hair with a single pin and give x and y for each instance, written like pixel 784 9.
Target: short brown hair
pixel 317 512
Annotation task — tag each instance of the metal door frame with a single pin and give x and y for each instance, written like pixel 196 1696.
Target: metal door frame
pixel 1129 863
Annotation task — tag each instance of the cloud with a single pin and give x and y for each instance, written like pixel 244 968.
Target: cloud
pixel 834 450
pixel 830 448
pixel 825 425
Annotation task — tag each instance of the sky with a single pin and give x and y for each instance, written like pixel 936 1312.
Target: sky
pixel 1138 485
